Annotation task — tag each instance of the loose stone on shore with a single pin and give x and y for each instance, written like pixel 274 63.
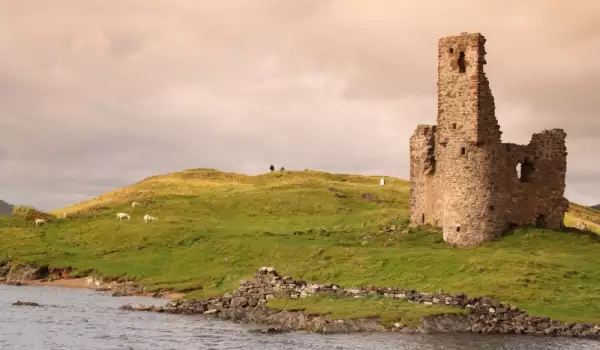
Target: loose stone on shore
pixel 25 303
pixel 247 304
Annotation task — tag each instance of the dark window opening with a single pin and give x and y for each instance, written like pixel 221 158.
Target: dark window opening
pixel 457 228
pixel 491 208
pixel 453 125
pixel 451 50
pixel 525 170
pixel 461 63
pixel 540 221
pixel 423 218
pixel 463 151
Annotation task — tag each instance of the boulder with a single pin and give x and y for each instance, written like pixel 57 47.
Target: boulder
pixel 25 303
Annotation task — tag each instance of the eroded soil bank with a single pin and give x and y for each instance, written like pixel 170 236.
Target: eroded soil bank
pixel 33 275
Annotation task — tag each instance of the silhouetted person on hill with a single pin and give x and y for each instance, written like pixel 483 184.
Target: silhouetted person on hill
pixel 272 167
pixel 282 169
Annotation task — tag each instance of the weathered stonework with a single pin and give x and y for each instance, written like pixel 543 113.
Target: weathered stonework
pixel 463 178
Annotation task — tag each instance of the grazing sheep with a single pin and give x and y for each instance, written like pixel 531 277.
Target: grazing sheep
pixel 148 218
pixel 121 216
pixel 135 204
pixel 581 226
pixel 39 222
pixel 97 282
pixel 89 281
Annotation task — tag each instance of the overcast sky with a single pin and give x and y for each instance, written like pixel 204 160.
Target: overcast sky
pixel 96 95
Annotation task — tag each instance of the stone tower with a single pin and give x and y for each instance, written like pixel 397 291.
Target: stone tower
pixel 463 178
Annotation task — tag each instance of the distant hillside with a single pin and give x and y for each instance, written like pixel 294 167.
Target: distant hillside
pixel 5 208
pixel 597 206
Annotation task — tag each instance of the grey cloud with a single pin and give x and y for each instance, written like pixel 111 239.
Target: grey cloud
pixel 96 95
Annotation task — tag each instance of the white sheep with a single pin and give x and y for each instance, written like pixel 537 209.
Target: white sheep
pixel 39 222
pixel 97 282
pixel 382 182
pixel 148 218
pixel 581 226
pixel 89 281
pixel 121 216
pixel 135 204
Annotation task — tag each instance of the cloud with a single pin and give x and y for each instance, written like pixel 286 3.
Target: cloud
pixel 98 94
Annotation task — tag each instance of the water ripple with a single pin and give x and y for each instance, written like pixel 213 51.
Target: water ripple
pixel 80 319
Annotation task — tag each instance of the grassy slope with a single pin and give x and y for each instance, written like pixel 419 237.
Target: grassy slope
pixel 388 310
pixel 216 228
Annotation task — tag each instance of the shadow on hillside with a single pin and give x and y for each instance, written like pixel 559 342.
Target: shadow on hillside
pixel 570 230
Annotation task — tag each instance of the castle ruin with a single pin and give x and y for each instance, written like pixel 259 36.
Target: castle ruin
pixel 463 178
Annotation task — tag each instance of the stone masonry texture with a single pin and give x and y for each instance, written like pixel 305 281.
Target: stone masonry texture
pixel 463 178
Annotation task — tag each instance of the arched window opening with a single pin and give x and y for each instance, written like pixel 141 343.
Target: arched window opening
pixel 540 221
pixel 525 170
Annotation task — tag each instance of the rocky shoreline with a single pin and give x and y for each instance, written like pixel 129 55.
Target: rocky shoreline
pixel 247 304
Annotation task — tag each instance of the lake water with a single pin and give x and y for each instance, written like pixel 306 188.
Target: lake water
pixel 82 319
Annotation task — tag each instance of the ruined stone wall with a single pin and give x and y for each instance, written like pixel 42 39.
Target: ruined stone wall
pixel 468 138
pixel 537 195
pixel 422 169
pixel 473 192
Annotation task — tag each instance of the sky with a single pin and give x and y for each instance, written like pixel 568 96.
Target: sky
pixel 99 94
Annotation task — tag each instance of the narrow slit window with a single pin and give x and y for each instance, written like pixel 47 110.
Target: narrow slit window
pixel 451 50
pixel 457 228
pixel 461 63
pixel 463 151
pixel 453 125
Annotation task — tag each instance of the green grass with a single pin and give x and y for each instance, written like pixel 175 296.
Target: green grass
pixel 216 228
pixel 388 310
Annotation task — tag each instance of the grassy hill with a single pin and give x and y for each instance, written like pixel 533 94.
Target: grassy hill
pixel 216 228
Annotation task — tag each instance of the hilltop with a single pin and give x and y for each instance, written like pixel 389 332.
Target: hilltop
pixel 216 228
